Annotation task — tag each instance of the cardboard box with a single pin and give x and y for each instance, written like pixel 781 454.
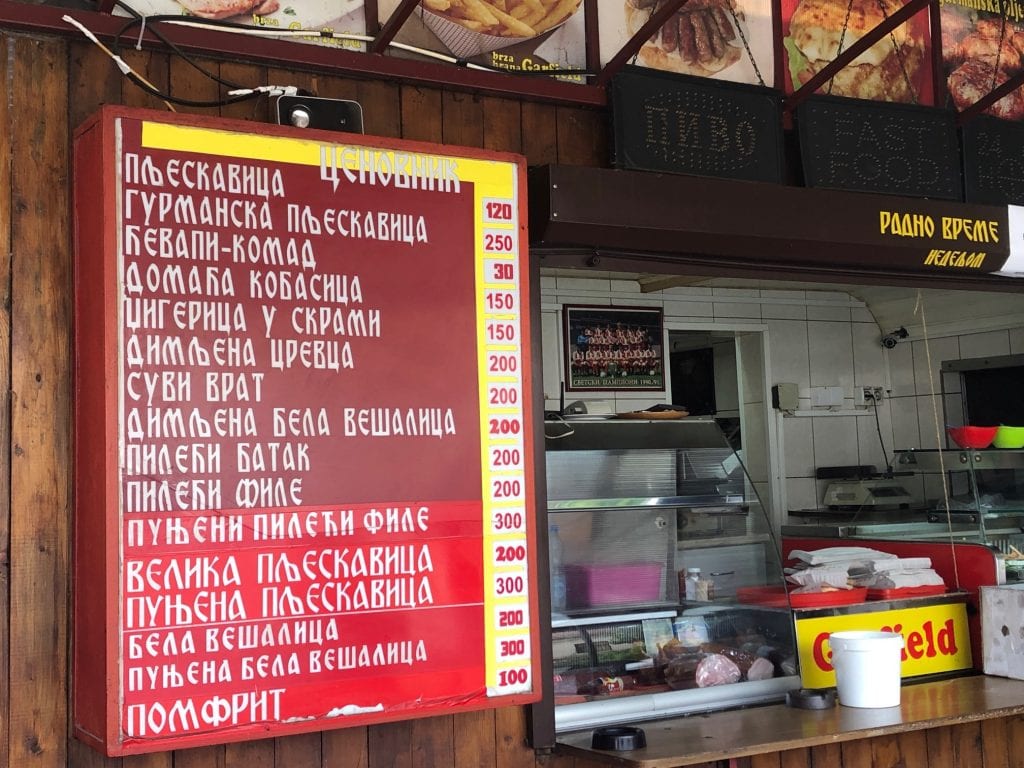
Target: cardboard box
pixel 1002 630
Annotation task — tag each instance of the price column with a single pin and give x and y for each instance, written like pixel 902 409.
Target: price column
pixel 506 575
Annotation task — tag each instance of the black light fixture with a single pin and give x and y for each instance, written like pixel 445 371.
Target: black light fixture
pixel 321 113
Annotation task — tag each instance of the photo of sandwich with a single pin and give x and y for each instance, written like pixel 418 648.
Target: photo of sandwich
pixel 979 52
pixel 894 69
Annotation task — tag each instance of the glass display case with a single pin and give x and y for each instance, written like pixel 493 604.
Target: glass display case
pixel 974 494
pixel 667 587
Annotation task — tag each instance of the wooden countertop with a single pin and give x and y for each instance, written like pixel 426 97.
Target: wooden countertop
pixel 757 730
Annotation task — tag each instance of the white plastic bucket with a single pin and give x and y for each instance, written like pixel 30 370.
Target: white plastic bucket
pixel 867 666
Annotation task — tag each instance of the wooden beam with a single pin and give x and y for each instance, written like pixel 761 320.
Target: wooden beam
pixel 39 296
pixel 392 25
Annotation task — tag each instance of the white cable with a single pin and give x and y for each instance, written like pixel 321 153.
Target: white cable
pixel 269 90
pixel 121 63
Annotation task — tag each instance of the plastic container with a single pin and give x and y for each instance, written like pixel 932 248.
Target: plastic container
pixel 691 631
pixel 777 597
pixel 595 585
pixel 867 667
pixel 897 592
pixel 1009 437
pixel 972 437
pixel 557 570
pixel 690 583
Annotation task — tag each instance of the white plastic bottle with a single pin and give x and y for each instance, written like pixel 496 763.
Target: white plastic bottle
pixel 556 569
pixel 692 582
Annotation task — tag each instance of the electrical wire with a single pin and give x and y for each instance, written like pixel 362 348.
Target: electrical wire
pixel 122 65
pixel 881 443
pixel 143 21
pixel 919 310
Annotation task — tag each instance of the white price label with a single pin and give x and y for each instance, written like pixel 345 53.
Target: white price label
pixel 515 616
pixel 513 648
pixel 508 520
pixel 503 395
pixel 500 364
pixel 510 487
pixel 514 679
pixel 504 426
pixel 508 552
pixel 498 209
pixel 506 455
pixel 500 240
pixel 501 271
pixel 513 583
pixel 502 332
pixel 501 301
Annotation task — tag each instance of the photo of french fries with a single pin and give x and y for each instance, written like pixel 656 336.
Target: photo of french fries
pixel 504 18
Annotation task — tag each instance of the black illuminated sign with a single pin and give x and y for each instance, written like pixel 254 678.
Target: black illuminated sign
pixel 869 146
pixel 993 154
pixel 683 124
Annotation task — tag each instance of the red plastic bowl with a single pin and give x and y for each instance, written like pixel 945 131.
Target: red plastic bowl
pixel 972 437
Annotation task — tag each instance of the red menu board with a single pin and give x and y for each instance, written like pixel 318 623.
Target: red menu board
pixel 303 476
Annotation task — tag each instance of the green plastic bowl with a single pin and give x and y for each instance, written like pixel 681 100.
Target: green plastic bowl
pixel 1009 437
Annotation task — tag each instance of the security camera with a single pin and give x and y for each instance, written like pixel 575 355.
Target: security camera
pixel 890 340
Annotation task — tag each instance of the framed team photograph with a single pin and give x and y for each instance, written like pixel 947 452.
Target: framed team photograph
pixel 608 348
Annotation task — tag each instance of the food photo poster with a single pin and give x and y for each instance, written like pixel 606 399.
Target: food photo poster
pixel 537 37
pixel 341 17
pixel 897 68
pixel 982 43
pixel 981 49
pixel 722 39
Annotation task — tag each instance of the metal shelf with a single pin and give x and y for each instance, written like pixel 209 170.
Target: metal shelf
pixel 936 460
pixel 690 502
pixel 610 618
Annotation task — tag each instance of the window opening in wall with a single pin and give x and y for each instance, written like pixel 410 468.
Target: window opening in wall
pixel 702 366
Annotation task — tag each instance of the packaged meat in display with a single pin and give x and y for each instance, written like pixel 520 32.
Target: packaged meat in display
pixel 716 669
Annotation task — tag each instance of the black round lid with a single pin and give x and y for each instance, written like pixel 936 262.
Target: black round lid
pixel 812 698
pixel 619 738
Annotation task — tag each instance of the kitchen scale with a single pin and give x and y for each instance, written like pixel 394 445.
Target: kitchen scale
pixel 873 493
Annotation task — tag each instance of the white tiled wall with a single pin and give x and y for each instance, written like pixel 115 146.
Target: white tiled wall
pixel 816 338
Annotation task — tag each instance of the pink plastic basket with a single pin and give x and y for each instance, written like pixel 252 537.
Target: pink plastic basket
pixel 592 586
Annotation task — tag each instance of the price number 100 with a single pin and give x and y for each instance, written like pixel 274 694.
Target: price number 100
pixel 510 677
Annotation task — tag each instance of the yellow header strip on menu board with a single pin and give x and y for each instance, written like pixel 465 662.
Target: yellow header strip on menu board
pixel 490 176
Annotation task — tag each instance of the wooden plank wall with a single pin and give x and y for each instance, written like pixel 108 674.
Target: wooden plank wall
pixel 53 85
